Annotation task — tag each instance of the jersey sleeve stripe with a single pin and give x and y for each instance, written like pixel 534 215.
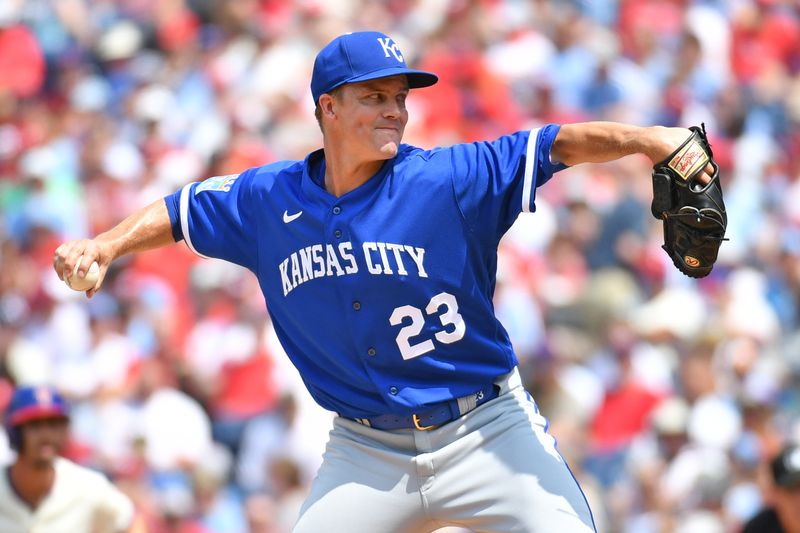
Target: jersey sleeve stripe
pixel 184 208
pixel 530 166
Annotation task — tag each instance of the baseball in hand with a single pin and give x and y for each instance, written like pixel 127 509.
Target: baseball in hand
pixel 77 283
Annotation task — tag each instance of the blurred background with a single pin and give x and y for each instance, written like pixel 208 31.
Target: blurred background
pixel 666 395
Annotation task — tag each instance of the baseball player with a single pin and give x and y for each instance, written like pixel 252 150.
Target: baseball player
pixel 377 263
pixel 44 493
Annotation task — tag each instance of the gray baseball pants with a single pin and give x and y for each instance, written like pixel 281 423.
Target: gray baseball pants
pixel 495 469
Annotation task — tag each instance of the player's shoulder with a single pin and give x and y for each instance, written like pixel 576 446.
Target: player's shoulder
pixel 423 169
pixel 265 179
pixel 77 474
pixel 413 153
pixel 65 467
pixel 422 161
pixel 265 176
pixel 276 168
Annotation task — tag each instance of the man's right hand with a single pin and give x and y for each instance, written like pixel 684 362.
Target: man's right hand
pixel 86 251
pixel 145 229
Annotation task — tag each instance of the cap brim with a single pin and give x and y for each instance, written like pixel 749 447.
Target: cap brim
pixel 416 78
pixel 37 413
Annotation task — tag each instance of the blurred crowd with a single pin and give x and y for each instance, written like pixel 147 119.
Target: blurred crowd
pixel 667 395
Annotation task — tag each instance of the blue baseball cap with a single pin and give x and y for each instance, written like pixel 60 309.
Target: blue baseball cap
pixel 35 403
pixel 362 56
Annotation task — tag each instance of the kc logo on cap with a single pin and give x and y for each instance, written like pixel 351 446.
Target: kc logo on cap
pixel 355 57
pixel 389 45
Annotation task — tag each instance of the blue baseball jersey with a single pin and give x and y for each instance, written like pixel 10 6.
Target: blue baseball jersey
pixel 381 297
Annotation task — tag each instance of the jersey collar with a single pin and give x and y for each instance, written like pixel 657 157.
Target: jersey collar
pixel 313 183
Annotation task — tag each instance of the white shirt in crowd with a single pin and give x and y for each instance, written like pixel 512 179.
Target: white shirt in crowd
pixel 81 500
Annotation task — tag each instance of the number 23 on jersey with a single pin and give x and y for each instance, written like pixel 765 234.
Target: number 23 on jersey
pixel 446 307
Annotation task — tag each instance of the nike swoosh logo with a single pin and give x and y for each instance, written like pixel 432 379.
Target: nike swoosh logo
pixel 288 218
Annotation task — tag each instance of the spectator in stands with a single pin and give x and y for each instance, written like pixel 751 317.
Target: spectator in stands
pixel 782 514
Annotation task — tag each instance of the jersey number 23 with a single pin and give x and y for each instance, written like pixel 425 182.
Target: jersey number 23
pixel 452 322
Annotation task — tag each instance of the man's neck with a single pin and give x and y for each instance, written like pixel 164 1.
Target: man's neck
pixel 32 482
pixel 344 173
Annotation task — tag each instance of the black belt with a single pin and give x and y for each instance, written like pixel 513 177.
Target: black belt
pixel 436 415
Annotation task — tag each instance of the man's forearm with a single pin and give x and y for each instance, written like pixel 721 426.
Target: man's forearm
pixel 145 229
pixel 599 142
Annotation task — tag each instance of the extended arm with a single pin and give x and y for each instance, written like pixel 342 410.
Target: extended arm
pixel 145 229
pixel 687 193
pixel 598 142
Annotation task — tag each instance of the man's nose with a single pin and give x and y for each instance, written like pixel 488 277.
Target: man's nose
pixel 392 110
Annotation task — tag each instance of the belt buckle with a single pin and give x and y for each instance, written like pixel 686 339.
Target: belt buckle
pixel 415 418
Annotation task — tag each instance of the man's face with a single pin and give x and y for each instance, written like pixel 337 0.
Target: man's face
pixel 43 440
pixel 371 116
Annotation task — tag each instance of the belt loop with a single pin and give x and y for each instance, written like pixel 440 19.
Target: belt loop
pixel 509 381
pixel 467 404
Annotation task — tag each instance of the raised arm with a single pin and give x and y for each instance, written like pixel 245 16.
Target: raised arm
pixel 694 216
pixel 145 229
pixel 598 142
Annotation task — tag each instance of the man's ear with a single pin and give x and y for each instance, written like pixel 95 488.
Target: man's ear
pixel 327 105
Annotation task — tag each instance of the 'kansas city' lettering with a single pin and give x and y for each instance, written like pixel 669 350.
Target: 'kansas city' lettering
pixel 328 260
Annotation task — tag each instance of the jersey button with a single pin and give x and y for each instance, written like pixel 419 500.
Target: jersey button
pixel 393 390
pixel 357 307
pixel 371 352
pixel 337 210
pixel 338 233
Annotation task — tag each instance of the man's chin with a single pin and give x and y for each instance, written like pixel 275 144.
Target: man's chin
pixel 389 149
